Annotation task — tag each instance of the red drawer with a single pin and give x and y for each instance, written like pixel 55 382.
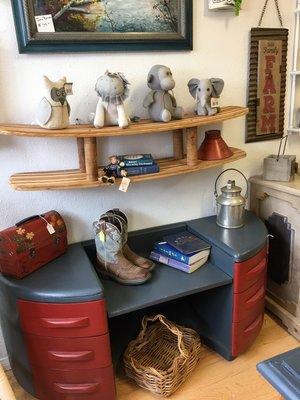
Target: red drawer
pixel 63 320
pixel 249 303
pixel 248 272
pixel 95 384
pixel 245 332
pixel 69 353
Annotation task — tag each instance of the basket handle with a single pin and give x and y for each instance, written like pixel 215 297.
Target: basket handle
pixel 161 318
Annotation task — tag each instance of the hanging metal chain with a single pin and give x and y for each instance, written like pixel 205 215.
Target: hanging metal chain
pixel 264 11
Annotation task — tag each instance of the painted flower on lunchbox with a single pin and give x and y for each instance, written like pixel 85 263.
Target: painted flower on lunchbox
pixel 29 235
pixel 58 223
pixel 23 240
pixel 53 219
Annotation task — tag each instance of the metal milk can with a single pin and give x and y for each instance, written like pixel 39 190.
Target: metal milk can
pixel 231 204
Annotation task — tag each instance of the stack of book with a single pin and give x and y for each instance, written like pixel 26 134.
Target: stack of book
pixel 183 251
pixel 138 164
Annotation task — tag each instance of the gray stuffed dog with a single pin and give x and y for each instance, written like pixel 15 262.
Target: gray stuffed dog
pixel 161 104
pixel 204 92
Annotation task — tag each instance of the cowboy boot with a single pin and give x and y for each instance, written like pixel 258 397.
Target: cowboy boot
pixel 111 261
pixel 128 253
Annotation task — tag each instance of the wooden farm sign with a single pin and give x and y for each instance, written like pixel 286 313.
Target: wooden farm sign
pixel 267 84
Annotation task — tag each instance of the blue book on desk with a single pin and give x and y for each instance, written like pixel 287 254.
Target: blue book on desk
pixel 165 249
pixel 155 256
pixel 186 242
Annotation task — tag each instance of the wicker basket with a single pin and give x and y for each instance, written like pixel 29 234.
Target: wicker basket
pixel 162 356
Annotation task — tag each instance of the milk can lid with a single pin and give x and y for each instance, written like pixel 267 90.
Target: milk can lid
pixel 231 187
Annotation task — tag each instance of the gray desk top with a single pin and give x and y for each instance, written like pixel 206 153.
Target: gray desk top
pixel 241 243
pixel 72 277
pixel 69 278
pixel 166 284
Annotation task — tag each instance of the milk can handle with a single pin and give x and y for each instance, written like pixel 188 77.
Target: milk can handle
pixel 231 169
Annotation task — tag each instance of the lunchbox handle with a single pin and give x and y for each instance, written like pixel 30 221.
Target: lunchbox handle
pixel 27 220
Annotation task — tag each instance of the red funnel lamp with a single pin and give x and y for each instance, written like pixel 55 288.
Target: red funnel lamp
pixel 213 147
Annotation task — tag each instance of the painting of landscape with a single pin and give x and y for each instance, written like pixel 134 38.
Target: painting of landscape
pixel 111 15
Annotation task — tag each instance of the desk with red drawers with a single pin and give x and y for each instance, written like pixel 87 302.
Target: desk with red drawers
pixel 63 326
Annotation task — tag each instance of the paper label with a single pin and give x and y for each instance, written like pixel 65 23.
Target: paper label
pixel 163 259
pixel 50 229
pixel 215 102
pixel 68 88
pixel 221 4
pixel 44 23
pixel 124 185
pixel 102 236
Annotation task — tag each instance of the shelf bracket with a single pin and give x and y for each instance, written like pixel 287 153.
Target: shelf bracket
pixel 81 156
pixel 178 144
pixel 90 156
pixel 191 146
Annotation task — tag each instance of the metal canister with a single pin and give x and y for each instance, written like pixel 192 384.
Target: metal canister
pixel 231 204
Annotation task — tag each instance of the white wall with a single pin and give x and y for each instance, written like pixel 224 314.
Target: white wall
pixel 220 49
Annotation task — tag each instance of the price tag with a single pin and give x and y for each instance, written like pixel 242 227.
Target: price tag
pixel 50 229
pixel 124 185
pixel 215 102
pixel 163 260
pixel 102 236
pixel 44 23
pixel 68 88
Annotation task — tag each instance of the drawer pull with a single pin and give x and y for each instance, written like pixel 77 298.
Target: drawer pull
pixel 254 325
pixel 71 356
pixel 76 388
pixel 259 268
pixel 55 323
pixel 259 295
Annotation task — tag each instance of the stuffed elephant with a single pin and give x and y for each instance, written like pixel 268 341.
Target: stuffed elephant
pixel 112 88
pixel 204 91
pixel 161 104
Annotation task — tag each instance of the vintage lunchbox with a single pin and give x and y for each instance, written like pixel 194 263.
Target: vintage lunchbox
pixel 32 243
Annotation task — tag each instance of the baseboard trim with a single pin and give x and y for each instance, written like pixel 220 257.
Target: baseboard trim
pixel 290 321
pixel 5 363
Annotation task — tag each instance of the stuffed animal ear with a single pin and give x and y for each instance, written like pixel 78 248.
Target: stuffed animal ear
pixel 150 78
pixel 218 86
pixel 122 76
pixel 47 82
pixel 149 99
pixel 64 79
pixel 98 88
pixel 193 85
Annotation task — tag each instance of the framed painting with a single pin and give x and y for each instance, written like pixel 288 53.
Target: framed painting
pixel 267 84
pixel 103 25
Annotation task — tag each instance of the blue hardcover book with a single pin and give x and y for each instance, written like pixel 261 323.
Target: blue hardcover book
pixel 155 256
pixel 165 249
pixel 136 160
pixel 149 169
pixel 186 242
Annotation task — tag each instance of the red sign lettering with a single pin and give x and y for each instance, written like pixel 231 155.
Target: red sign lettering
pixel 268 123
pixel 269 103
